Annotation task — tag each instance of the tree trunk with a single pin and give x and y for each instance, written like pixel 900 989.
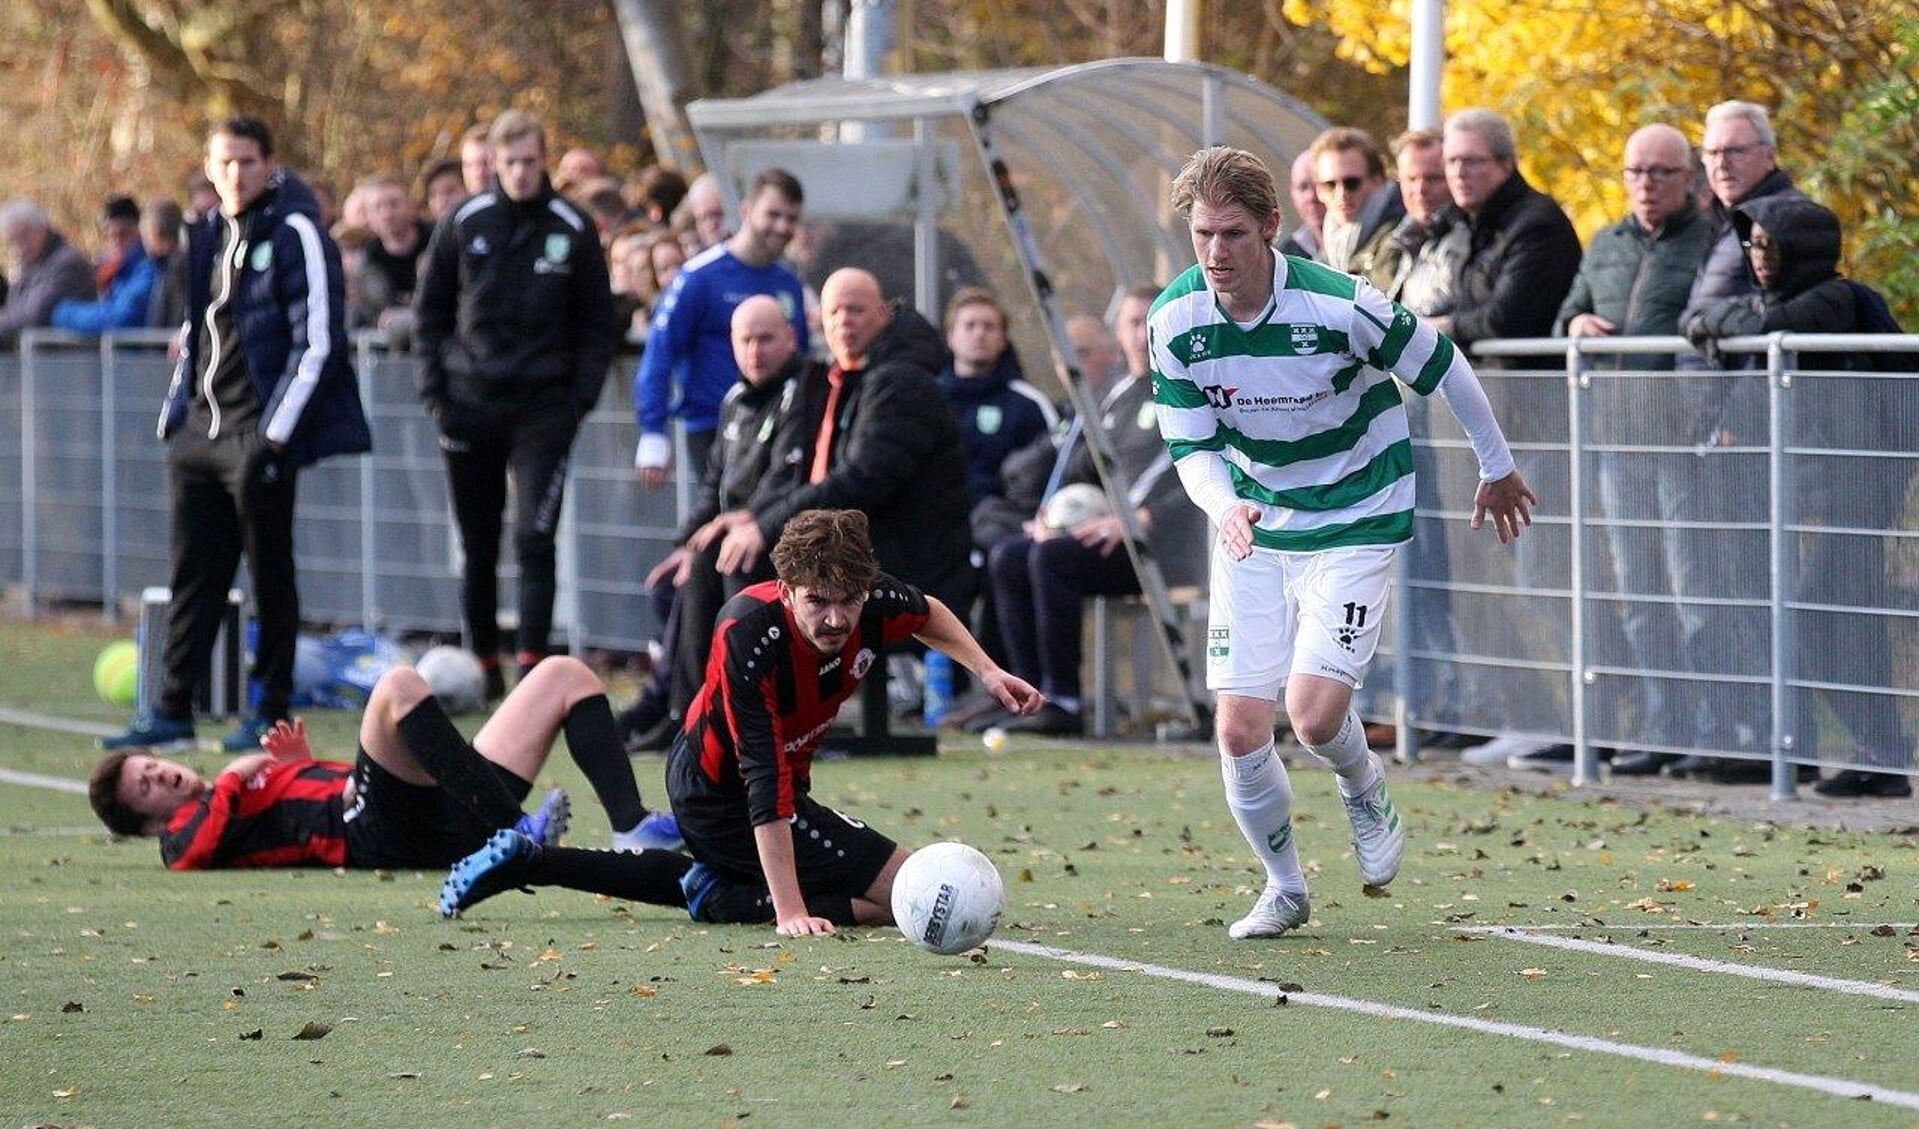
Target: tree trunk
pixel 656 50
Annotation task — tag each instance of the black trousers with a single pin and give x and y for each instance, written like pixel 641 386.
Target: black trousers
pixel 696 607
pixel 1039 592
pixel 528 446
pixel 231 497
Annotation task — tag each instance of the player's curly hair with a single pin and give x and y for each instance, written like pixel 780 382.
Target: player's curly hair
pixel 827 549
pixel 1221 176
pixel 103 792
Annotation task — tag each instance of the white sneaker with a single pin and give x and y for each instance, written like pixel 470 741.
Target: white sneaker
pixel 1273 915
pixel 1496 752
pixel 1379 839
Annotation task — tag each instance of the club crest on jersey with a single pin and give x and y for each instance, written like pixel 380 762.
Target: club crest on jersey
pixel 988 419
pixel 553 260
pixel 262 256
pixel 862 662
pixel 1305 339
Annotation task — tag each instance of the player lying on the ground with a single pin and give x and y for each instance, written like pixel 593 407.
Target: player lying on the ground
pixel 418 795
pixel 786 654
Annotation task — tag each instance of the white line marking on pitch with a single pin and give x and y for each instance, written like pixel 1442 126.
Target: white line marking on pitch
pixel 31 720
pixel 51 783
pixel 1728 927
pixel 1839 1087
pixel 1697 964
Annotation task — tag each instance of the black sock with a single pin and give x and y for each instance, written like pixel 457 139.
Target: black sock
pixel 469 778
pixel 594 740
pixel 636 876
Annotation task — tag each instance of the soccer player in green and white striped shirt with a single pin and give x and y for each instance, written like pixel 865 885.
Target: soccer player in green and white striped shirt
pixel 1274 381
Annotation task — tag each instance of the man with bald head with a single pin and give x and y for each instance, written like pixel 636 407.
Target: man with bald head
pixel 1633 282
pixel 1304 240
pixel 870 431
pixel 766 349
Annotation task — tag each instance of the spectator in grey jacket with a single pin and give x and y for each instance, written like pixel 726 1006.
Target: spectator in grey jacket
pixel 1633 282
pixel 50 269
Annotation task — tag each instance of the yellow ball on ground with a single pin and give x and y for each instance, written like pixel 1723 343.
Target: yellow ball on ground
pixel 116 673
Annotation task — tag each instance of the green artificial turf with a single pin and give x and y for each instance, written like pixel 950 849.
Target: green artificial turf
pixel 137 997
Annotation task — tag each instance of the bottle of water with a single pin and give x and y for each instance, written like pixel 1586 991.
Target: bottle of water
pixel 938 696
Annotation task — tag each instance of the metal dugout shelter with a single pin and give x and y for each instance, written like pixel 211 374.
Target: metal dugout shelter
pixel 1046 185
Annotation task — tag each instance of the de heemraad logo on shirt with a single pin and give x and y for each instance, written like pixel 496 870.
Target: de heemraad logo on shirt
pixel 1219 395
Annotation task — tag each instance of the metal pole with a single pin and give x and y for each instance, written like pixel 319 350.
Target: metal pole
pixel 29 477
pixel 1428 64
pixel 1182 30
pixel 109 484
pixel 369 498
pixel 1785 782
pixel 869 36
pixel 926 204
pixel 1578 381
pixel 1152 584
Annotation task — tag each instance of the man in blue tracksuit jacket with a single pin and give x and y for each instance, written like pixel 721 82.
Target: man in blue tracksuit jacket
pixel 264 387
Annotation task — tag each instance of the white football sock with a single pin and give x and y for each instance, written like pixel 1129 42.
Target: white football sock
pixel 1260 796
pixel 1347 755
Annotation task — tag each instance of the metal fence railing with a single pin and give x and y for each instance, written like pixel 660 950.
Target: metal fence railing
pixel 1724 560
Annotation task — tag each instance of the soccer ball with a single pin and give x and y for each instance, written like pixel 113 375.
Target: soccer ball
pixel 947 898
pixel 1073 505
pixel 455 677
pixel 116 673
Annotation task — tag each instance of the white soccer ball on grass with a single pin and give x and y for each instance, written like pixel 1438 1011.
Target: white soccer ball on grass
pixel 455 676
pixel 948 898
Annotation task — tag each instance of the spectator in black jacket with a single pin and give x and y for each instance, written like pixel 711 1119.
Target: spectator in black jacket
pixel 1520 259
pixel 1523 251
pixel 514 331
pixel 871 432
pixel 1792 247
pixel 770 362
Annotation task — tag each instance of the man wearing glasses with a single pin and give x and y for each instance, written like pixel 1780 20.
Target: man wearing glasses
pixel 1521 255
pixel 1633 282
pixel 1362 206
pixel 1742 166
pixel 1742 163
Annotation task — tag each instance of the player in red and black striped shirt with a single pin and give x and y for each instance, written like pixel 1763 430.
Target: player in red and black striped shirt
pixel 418 794
pixel 786 655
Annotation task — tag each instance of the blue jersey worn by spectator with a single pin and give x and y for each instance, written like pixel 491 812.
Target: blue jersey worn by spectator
pixel 998 413
pixel 690 339
pixel 126 303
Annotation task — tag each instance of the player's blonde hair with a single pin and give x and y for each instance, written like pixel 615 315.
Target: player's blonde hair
pixel 1222 176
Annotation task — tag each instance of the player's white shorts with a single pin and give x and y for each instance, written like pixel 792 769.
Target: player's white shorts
pixel 1275 614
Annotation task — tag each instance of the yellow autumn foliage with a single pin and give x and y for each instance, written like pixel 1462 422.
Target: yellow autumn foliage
pixel 1575 78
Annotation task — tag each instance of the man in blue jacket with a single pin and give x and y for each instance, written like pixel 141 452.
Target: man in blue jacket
pixel 264 387
pixel 136 297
